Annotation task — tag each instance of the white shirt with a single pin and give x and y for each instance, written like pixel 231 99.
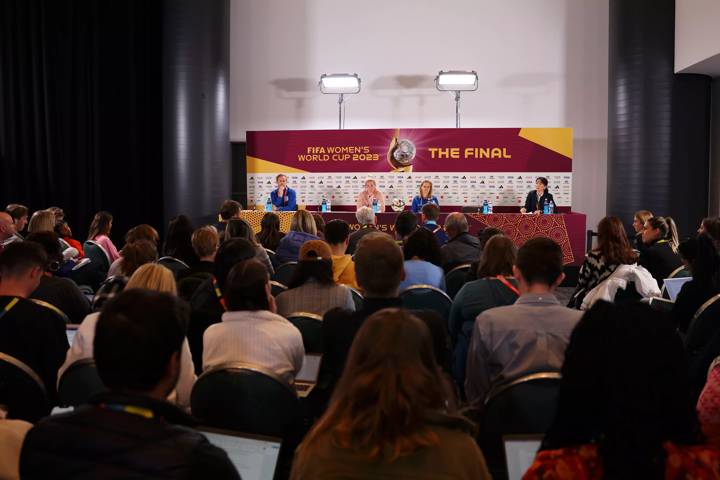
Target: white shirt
pixel 82 347
pixel 258 337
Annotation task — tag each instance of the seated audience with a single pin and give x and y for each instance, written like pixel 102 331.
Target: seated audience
pixel 205 242
pixel 704 262
pixel 422 261
pixel 371 197
pixel 270 234
pixel 139 232
pixel 228 210
pixel 708 405
pixel 337 233
pixel 639 219
pixel 461 247
pixel 237 228
pixel 623 409
pixel 613 250
pixel 42 221
pixel 61 293
pixel 12 435
pixel 302 229
pixel 33 334
pixel 366 218
pixel 405 224
pixel 178 241
pixel 312 288
pixel 64 233
pixel 319 225
pixel 100 233
pixel 425 197
pixel 130 431
pixel 660 256
pixel 711 227
pixel 413 432
pixel 8 232
pixel 528 336
pixel 19 214
pixel 429 218
pixel 483 237
pixel 133 255
pixel 148 277
pixel 208 302
pixel 496 287
pixel 251 331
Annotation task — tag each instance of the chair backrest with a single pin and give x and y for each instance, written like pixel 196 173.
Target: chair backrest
pixel 97 255
pixel 247 398
pixel 455 279
pixel 79 382
pixel 175 265
pixel 310 326
pixel 680 272
pixel 276 288
pixel 52 308
pixel 21 390
pixel 284 272
pixel 523 406
pixel 426 297
pixel 272 256
pixel 357 298
pixel 703 325
pixel 187 285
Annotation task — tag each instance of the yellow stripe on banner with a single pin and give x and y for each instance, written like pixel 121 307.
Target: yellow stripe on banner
pixel 558 140
pixel 258 165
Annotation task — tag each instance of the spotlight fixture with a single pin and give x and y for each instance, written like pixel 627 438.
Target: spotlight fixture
pixel 340 84
pixel 456 81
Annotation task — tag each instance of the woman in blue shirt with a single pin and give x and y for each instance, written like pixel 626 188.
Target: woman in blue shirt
pixel 425 197
pixel 422 261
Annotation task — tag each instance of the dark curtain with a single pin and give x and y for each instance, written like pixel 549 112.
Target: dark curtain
pixel 81 109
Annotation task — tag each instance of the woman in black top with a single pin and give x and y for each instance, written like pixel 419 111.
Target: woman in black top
pixel 660 256
pixel 536 198
pixel 702 257
pixel 639 219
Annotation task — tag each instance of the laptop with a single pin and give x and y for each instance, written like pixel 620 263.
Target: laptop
pixel 307 378
pixel 520 452
pixel 70 331
pixel 673 286
pixel 255 457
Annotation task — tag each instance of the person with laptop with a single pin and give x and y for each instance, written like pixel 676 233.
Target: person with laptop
pixel 130 431
pixel 702 257
pixel 393 414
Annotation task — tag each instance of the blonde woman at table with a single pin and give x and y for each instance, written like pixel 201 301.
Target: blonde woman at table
pixel 370 195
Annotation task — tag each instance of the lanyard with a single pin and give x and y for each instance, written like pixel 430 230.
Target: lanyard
pixel 9 306
pixel 509 285
pixel 219 294
pixel 132 409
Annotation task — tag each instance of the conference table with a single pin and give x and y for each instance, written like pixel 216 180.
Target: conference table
pixel 567 229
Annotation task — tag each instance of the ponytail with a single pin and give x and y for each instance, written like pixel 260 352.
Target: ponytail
pixel 672 235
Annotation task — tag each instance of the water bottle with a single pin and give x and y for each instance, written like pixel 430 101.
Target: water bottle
pixel 376 207
pixel 546 207
pixel 323 206
pixel 485 207
pixel 552 206
pixel 489 206
pixel 268 205
pixel 328 205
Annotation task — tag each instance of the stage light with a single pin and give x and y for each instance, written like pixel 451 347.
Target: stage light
pixel 457 81
pixel 340 84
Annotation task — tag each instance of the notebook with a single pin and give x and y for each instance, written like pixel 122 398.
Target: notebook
pixel 70 331
pixel 255 457
pixel 673 286
pixel 520 452
pixel 307 378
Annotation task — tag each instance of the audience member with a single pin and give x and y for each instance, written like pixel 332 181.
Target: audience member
pixel 12 435
pixel 366 218
pixel 461 247
pixel 529 336
pixel 42 221
pixel 153 277
pixel 100 234
pixel 208 302
pixel 205 243
pixel 711 227
pixel 136 254
pixel 178 241
pixel 613 250
pixel 422 261
pixel 639 219
pixel 429 217
pixel 139 232
pixel 623 409
pixel 251 331
pixel 60 293
pixel 130 431
pixel 405 223
pixel 337 234
pixel 270 234
pixel 64 233
pixel 393 414
pixel 302 229
pixel 228 210
pixel 312 288
pixel 708 405
pixel 19 214
pixel 33 334
pixel 8 232
pixel 704 262
pixel 483 237
pixel 238 228
pixel 660 256
pixel 495 287
pixel 319 225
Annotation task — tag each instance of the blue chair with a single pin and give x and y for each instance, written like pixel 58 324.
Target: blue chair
pixel 427 297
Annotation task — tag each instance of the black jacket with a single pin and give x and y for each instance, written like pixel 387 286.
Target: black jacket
pixel 464 248
pixel 531 202
pixel 96 442
pixel 660 260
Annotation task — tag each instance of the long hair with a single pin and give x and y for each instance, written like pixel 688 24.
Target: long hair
pixel 270 234
pixel 420 189
pixel 613 243
pixel 668 230
pixel 498 257
pixel 711 225
pixel 705 261
pixel 624 386
pixel 153 276
pixel 303 221
pixel 239 228
pixel 319 269
pixel 142 232
pixel 100 225
pixel 42 221
pixel 390 385
pixel 135 254
pixel 178 240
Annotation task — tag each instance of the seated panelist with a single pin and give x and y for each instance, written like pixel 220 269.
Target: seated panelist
pixel 283 197
pixel 536 198
pixel 425 197
pixel 369 194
